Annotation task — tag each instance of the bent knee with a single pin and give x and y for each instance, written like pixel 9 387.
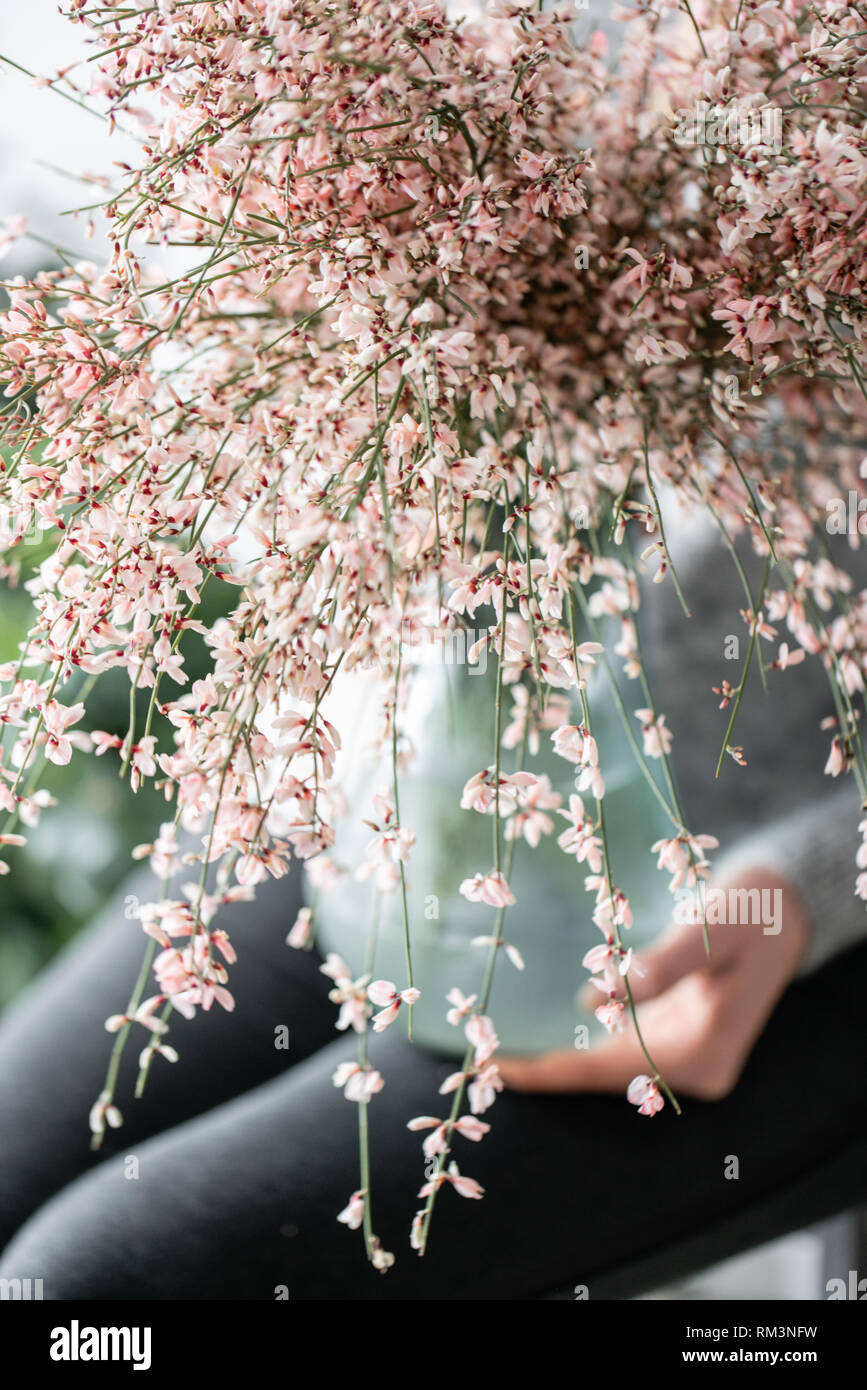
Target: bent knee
pixel 77 1245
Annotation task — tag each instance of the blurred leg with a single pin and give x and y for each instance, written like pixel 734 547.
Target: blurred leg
pixel 244 1199
pixel 54 1048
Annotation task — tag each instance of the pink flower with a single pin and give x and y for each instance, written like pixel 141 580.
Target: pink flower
pixel 382 1260
pixel 657 738
pixel 684 858
pixel 490 888
pixel 611 1015
pixel 789 658
pixel 461 1005
pixel 102 742
pixel 156 1048
pixel 353 1213
pixel 481 1035
pixel 357 1083
pixel 481 791
pixel 511 951
pixel 530 163
pixel 389 998
pixel 465 1187
pixel 575 744
pixel 104 1112
pixel 143 1015
pixel 484 1088
pixel 531 820
pixel 644 1093
pixel 609 961
pixel 417 1230
pixel 438 1141
pixel 579 839
pixel 299 934
pixel 142 761
pixel 56 719
pixel 836 759
pixel 388 849
pixel 350 994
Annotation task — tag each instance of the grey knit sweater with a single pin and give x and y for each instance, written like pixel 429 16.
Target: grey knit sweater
pixel 781 811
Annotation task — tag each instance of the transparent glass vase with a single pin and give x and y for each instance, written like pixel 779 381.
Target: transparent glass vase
pixel 450 721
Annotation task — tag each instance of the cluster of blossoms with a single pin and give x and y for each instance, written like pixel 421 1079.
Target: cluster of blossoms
pixel 454 302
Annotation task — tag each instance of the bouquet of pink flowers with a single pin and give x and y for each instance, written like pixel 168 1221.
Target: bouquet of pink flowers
pixel 456 305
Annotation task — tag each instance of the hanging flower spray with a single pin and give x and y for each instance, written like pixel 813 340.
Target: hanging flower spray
pixel 456 302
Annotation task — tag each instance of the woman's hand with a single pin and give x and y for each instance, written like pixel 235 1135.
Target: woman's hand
pixel 699 1015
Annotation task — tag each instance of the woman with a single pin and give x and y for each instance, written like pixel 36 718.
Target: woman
pixel 245 1152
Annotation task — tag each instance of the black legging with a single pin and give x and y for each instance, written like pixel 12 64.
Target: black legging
pixel 246 1153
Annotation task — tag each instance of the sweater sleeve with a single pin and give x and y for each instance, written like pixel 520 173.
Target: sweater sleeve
pixel 780 810
pixel 813 848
